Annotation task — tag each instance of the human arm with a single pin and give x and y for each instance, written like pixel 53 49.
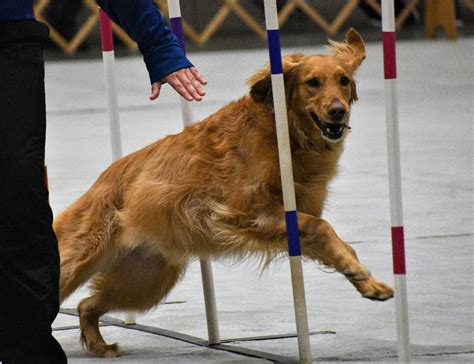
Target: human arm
pixel 163 56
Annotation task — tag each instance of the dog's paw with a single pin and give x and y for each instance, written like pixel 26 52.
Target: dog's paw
pixel 104 351
pixel 374 290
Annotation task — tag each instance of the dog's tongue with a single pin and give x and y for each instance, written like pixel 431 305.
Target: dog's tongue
pixel 347 126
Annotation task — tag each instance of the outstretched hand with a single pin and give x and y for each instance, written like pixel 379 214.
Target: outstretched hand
pixel 186 82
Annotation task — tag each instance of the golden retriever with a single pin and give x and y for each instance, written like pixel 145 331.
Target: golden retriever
pixel 214 191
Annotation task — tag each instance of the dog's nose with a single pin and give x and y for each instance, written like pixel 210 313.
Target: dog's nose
pixel 336 111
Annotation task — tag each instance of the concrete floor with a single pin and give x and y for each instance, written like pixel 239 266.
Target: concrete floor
pixel 436 108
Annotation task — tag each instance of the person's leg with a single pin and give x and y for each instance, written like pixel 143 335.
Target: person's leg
pixel 29 261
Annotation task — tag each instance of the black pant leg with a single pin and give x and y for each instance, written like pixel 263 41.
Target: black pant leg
pixel 29 260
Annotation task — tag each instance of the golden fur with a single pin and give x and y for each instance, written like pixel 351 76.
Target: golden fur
pixel 213 191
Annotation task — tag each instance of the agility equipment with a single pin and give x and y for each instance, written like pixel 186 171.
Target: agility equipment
pixel 271 17
pixel 280 110
pixel 108 57
pixel 206 266
pixel 286 170
pixel 116 145
pixel 394 174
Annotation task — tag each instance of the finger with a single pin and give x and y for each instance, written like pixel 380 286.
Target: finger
pixel 194 81
pixel 198 76
pixel 178 86
pixel 188 84
pixel 155 90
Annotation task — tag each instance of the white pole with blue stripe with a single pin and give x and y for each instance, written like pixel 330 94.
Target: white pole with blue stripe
pixel 206 266
pixel 286 170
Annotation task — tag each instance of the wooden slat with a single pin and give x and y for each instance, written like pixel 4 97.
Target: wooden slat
pixel 405 13
pixel 246 18
pixel 214 24
pixel 84 31
pixel 313 15
pixel 374 5
pixel 285 12
pixel 216 21
pixel 123 36
pixel 402 16
pixel 40 6
pixel 226 8
pixel 343 15
pixel 188 29
pixel 440 14
pixel 469 4
pixel 82 34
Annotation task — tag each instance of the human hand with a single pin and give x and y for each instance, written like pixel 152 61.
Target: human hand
pixel 186 82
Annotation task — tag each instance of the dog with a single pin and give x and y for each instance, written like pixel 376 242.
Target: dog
pixel 214 191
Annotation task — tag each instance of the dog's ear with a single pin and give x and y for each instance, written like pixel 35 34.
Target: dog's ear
pixel 354 96
pixel 292 59
pixel 261 84
pixel 352 51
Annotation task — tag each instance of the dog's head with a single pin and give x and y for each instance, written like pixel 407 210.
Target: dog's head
pixel 320 89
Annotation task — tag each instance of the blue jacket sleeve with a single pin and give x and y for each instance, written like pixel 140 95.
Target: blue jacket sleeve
pixel 144 24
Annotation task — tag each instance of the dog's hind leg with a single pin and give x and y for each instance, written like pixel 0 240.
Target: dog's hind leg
pixel 135 282
pixel 84 253
pixel 76 271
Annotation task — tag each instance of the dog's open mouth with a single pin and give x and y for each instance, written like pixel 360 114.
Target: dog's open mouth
pixel 331 131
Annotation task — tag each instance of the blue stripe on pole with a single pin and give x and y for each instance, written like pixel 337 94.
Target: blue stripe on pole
pixel 275 51
pixel 292 233
pixel 177 29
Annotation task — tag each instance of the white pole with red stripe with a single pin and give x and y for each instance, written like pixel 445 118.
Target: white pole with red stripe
pixel 206 266
pixel 110 87
pixel 286 171
pixel 395 184
pixel 108 58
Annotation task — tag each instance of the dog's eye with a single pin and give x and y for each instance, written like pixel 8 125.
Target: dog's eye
pixel 344 81
pixel 314 82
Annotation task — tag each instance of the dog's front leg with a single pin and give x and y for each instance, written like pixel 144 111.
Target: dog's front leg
pixel 320 242
pixel 266 234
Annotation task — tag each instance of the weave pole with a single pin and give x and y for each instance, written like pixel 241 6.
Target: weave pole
pixel 108 58
pixel 286 170
pixel 394 174
pixel 206 266
pixel 110 88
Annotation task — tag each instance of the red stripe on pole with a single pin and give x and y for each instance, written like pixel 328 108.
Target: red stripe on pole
pixel 106 32
pixel 389 55
pixel 398 249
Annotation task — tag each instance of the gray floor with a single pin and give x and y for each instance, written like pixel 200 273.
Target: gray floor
pixel 436 108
